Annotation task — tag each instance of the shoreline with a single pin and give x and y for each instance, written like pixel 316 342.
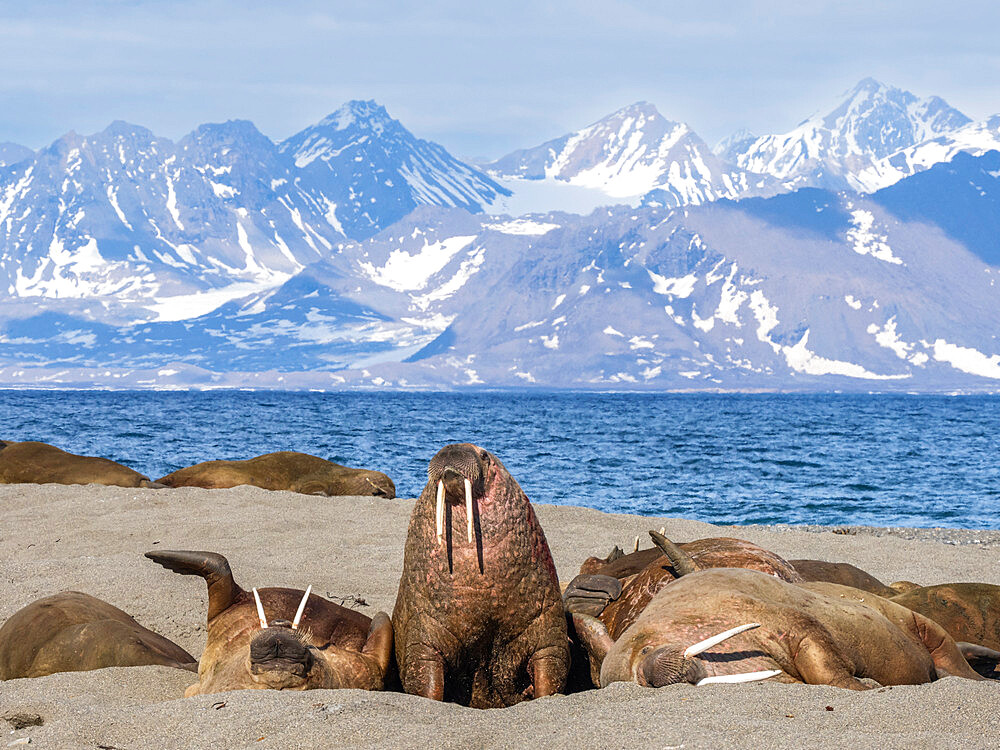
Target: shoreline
pixel 91 538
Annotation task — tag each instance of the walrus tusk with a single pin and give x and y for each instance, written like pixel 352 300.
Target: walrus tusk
pixel 260 609
pixel 636 547
pixel 440 510
pixel 302 608
pixel 733 678
pixel 468 507
pixel 706 644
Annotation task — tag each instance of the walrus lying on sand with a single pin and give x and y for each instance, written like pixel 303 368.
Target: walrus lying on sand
pixel 595 593
pixel 970 612
pixel 280 638
pixel 31 462
pixel 730 625
pixel 848 575
pixel 76 632
pixel 284 470
pixel 478 616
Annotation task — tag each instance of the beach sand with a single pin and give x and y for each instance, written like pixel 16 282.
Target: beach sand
pixel 55 538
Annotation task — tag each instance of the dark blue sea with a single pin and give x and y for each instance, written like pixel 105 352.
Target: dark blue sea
pixel 818 459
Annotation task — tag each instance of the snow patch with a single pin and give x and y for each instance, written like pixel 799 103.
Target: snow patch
pixel 405 272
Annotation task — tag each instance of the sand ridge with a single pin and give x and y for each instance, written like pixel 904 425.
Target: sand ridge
pixel 91 538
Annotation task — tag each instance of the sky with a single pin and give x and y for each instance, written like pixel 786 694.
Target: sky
pixel 480 78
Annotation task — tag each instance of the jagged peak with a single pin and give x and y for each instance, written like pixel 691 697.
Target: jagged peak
pixel 121 128
pixel 228 132
pixel 359 113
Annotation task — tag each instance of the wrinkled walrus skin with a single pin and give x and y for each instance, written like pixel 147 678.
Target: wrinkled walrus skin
pixel 970 612
pixel 828 638
pixel 284 470
pixel 31 462
pixel 478 622
pixel 76 632
pixel 333 647
pixel 639 589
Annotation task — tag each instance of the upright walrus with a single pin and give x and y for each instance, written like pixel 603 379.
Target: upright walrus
pixel 479 617
pixel 31 462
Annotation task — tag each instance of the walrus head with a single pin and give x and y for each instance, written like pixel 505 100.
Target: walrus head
pixel 461 474
pixel 656 665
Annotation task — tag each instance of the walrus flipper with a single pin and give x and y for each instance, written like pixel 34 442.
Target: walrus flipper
pixel 590 594
pixel 213 567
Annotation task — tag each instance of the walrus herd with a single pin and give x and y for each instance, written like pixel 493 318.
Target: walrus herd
pixel 480 616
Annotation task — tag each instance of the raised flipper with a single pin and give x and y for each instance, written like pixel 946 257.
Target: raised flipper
pixel 590 594
pixel 213 567
pixel 680 560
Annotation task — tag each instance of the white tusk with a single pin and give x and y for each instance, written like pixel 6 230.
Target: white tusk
pixel 260 609
pixel 636 548
pixel 716 639
pixel 663 531
pixel 468 507
pixel 302 608
pixel 440 510
pixel 733 678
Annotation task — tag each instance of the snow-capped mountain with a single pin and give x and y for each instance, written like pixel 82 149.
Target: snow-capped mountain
pixel 12 153
pixel 625 156
pixel 807 290
pixel 375 171
pixel 975 138
pixel 871 123
pixel 150 228
pixel 126 216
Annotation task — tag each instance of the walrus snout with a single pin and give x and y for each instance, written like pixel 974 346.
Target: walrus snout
pixel 457 462
pixel 663 666
pixel 277 652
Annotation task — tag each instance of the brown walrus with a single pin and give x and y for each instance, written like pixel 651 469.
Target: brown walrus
pixel 970 612
pixel 667 562
pixel 31 462
pixel 76 632
pixel 279 638
pixel 284 470
pixel 842 573
pixel 783 631
pixel 478 618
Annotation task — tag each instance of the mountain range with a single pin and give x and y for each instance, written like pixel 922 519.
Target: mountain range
pixel 858 251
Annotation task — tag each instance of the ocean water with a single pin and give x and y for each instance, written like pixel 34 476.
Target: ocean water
pixel 819 459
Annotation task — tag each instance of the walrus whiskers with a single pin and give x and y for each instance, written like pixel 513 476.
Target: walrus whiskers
pixel 302 608
pixel 260 610
pixel 735 678
pixel 706 644
pixel 440 510
pixel 468 508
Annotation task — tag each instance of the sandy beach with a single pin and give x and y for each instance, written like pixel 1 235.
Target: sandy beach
pixel 91 539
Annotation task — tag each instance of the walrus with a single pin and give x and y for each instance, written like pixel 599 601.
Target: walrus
pixel 31 462
pixel 970 612
pixel 284 470
pixel 279 638
pixel 76 632
pixel 737 625
pixel 842 573
pixel 596 595
pixel 478 617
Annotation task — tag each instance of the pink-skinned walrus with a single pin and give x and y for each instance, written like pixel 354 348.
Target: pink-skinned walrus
pixel 478 617
pixel 732 625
